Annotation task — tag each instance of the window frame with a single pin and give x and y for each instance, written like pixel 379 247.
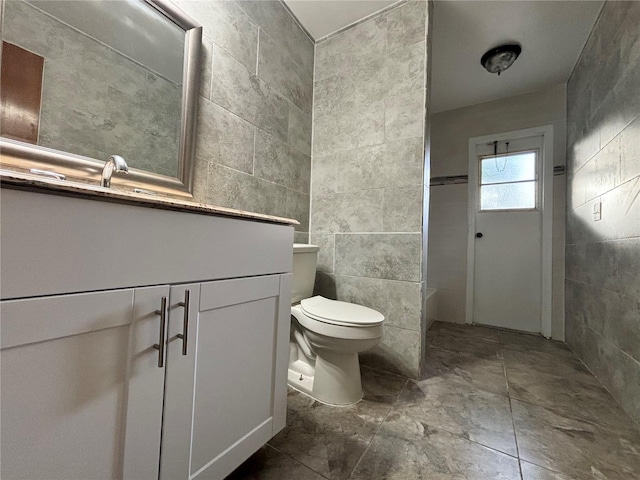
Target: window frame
pixel 536 181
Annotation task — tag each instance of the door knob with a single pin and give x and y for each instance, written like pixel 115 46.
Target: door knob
pixel 479 235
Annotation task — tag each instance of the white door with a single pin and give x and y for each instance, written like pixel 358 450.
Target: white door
pixel 507 290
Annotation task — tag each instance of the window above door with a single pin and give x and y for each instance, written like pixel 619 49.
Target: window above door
pixel 509 181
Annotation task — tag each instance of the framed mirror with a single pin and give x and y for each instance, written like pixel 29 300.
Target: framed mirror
pixel 82 81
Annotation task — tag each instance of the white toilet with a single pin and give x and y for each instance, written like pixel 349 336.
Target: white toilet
pixel 326 337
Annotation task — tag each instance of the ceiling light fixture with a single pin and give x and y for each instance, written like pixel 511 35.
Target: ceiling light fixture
pixel 498 59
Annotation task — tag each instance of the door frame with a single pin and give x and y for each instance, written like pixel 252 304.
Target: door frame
pixel 546 210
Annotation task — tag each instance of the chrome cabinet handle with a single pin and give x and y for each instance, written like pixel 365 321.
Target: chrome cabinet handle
pixel 163 321
pixel 185 321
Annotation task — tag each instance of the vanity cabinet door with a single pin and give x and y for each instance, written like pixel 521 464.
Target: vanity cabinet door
pixel 183 305
pixel 238 368
pixel 81 388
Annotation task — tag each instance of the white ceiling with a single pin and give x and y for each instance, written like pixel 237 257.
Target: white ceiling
pixel 552 34
pixel 322 17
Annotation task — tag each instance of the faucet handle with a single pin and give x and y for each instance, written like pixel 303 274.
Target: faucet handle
pixel 119 163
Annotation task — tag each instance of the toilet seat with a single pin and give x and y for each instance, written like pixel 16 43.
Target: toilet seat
pixel 339 313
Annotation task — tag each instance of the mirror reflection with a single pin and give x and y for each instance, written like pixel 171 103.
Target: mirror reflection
pixel 94 79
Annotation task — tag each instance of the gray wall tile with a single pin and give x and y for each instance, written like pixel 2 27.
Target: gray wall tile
pixel 283 74
pixel 224 138
pixel 228 26
pixel 324 173
pixel 279 163
pixel 253 104
pixel 404 70
pixel 326 244
pixel 361 290
pixel 397 352
pixel 301 171
pixel 206 59
pixel 602 259
pixel 283 29
pixel 402 116
pixel 249 97
pixel 406 25
pixel 398 301
pixel 348 212
pixel 394 74
pixel 392 164
pixel 273 160
pixel 620 215
pixel 619 372
pixel 365 168
pixel 353 47
pixel 245 192
pixel 367 175
pixel 300 237
pixel 361 85
pixel 596 307
pixel 359 127
pixel 402 209
pixel 630 151
pixel 391 256
pixel 299 133
pixel 297 208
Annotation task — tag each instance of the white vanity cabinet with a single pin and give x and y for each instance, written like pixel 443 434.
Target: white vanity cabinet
pixel 223 399
pixel 86 393
pixel 81 389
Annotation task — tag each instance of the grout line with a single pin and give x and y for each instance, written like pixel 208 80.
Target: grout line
pixel 213 55
pixel 268 444
pixel 600 195
pixel 313 115
pixel 391 409
pixel 253 162
pixel 513 422
pixel 572 172
pixel 258 52
pixel 444 429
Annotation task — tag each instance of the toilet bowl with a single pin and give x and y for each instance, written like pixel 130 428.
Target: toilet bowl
pixel 326 337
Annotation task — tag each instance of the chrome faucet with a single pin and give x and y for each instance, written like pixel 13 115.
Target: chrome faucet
pixel 115 163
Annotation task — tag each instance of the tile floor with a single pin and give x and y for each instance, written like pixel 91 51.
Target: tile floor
pixel 492 405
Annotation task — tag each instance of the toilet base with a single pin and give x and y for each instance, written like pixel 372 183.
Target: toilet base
pixel 335 381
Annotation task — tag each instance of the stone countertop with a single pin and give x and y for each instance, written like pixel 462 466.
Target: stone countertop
pixel 12 179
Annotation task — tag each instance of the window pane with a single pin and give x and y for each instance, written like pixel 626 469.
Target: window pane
pixel 508 168
pixel 507 196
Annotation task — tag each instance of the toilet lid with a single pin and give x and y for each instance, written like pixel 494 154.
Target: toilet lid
pixel 340 313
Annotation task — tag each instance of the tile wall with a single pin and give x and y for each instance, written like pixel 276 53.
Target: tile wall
pixel 448 217
pixel 254 125
pixel 603 257
pixel 368 174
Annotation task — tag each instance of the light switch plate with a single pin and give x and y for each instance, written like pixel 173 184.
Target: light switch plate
pixel 597 211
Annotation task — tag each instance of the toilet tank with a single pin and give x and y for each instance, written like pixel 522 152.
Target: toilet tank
pixel 305 258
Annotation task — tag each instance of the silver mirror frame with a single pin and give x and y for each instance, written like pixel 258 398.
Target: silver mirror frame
pixel 23 156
